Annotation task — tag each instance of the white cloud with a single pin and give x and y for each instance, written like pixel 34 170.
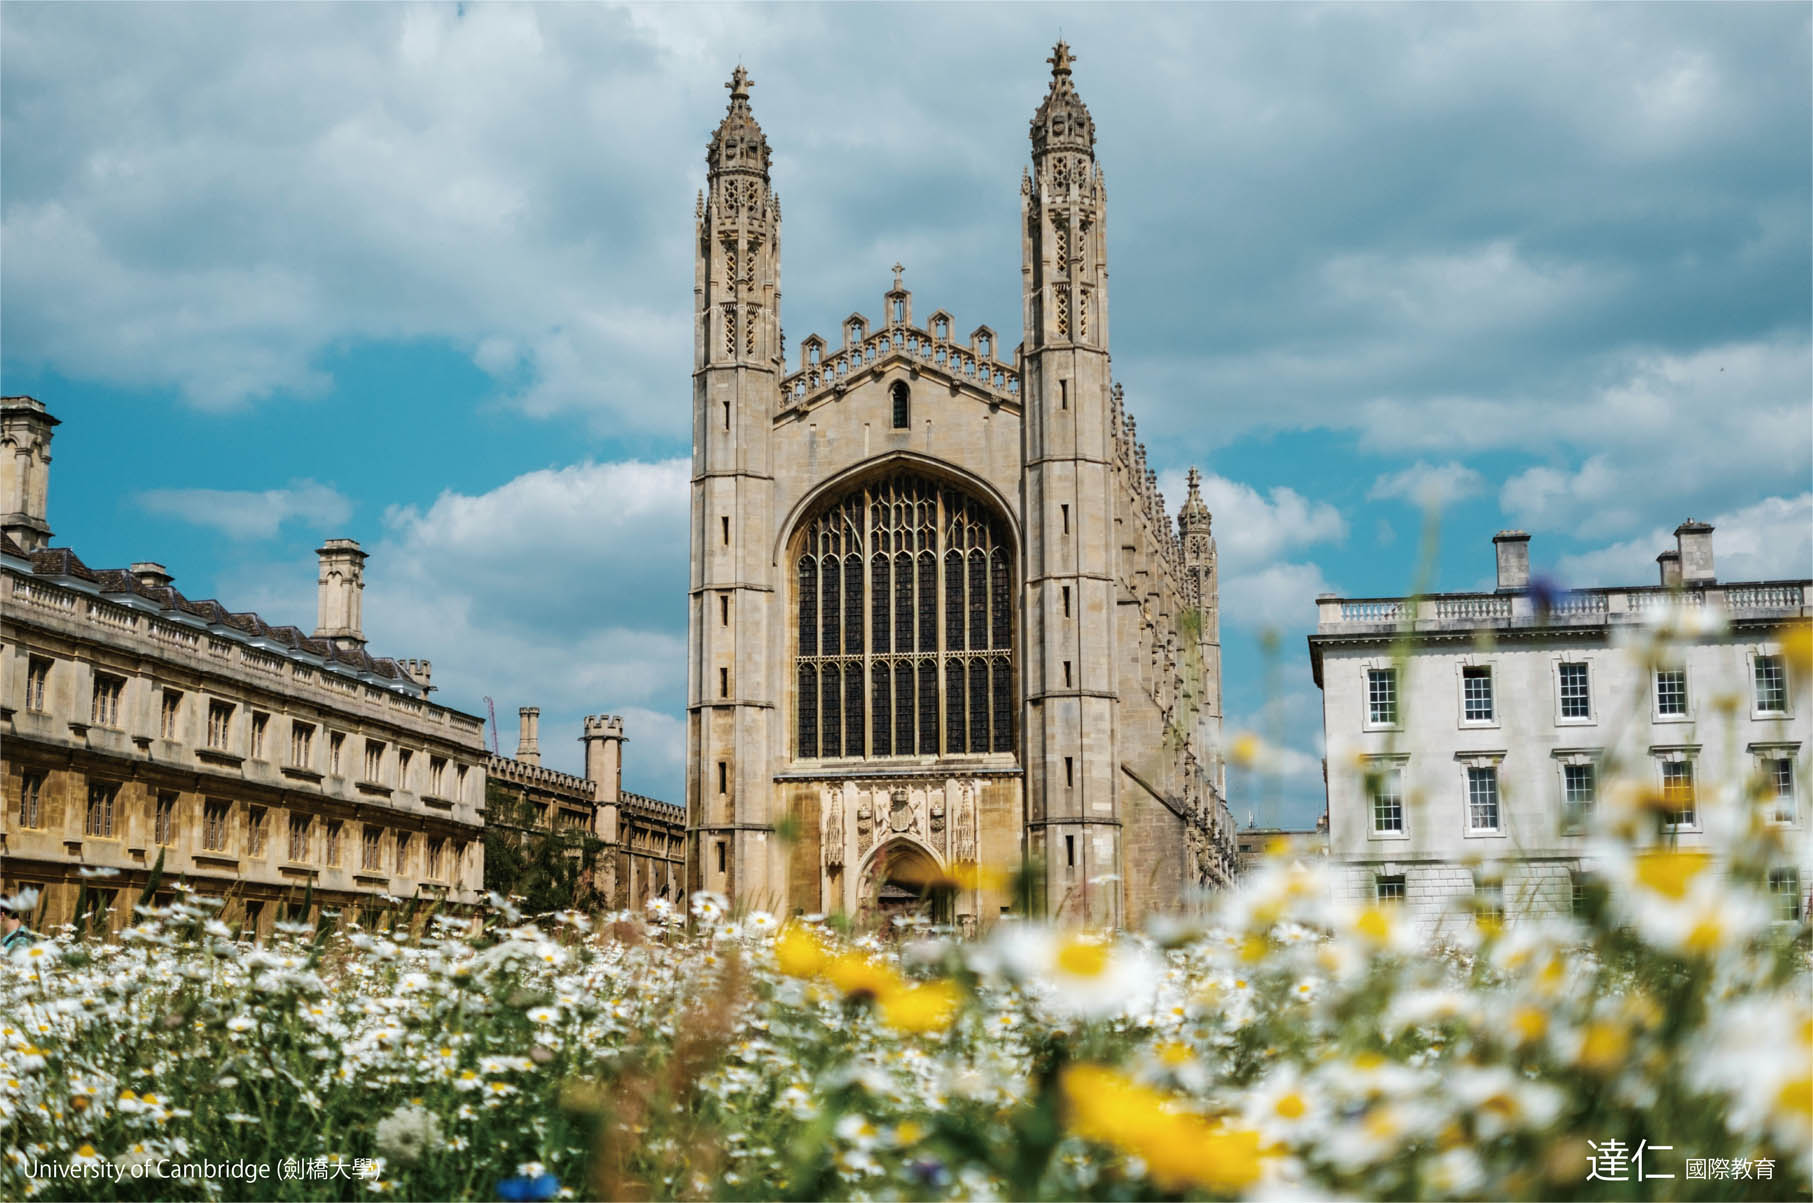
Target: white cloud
pixel 1769 540
pixel 1250 527
pixel 249 514
pixel 562 588
pixel 1432 486
pixel 1279 597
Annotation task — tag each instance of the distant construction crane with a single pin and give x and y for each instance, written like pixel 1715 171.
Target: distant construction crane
pixel 491 708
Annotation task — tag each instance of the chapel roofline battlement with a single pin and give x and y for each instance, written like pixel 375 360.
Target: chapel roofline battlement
pixel 868 347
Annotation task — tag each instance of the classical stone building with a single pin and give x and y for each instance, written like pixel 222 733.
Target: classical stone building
pixel 257 761
pixel 1469 734
pixel 939 612
pixel 643 838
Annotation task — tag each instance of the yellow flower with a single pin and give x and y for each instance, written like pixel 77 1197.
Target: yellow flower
pixel 856 974
pixel 1246 749
pixel 1530 1024
pixel 1180 1150
pixel 1670 873
pixel 1082 957
pixel 1175 1053
pixel 799 953
pixel 931 1007
pixel 1797 649
pixel 1603 1047
pixel 1796 1098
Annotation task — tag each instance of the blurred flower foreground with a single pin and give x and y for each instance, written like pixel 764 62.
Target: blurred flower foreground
pixel 1280 1044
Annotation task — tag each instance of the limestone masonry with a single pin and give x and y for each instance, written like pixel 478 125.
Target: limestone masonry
pixel 1467 731
pixel 939 611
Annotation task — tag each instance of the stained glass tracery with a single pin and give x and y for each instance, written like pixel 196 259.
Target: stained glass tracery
pixel 905 632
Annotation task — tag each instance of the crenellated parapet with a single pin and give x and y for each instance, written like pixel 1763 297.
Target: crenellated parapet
pixel 868 349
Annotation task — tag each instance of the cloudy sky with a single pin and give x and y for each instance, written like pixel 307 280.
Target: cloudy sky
pixel 421 276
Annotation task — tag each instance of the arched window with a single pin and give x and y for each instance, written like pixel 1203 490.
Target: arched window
pixel 902 405
pixel 904 597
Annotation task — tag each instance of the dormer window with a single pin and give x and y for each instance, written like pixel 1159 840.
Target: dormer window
pixel 941 330
pixel 812 354
pixel 900 309
pixel 856 332
pixel 987 346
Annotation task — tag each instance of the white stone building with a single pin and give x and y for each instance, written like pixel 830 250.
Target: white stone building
pixel 1469 733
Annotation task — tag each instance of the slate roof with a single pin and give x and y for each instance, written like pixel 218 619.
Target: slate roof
pixel 62 562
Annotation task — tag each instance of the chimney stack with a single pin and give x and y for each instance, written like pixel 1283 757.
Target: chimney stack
pixel 1513 548
pixel 341 586
pixel 422 672
pixel 1669 562
pixel 151 574
pixel 603 741
pixel 25 433
pixel 1693 540
pixel 528 735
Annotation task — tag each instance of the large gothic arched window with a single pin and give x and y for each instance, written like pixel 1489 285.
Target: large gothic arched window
pixel 905 607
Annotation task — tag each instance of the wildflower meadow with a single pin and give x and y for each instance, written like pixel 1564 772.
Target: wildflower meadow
pixel 1279 1043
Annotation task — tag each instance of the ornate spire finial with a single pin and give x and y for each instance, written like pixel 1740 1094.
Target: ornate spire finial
pixel 1063 121
pixel 1194 516
pixel 897 270
pixel 738 143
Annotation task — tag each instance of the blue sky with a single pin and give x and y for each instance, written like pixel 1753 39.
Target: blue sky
pixel 421 276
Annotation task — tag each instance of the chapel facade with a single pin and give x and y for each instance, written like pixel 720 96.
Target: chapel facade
pixel 939 613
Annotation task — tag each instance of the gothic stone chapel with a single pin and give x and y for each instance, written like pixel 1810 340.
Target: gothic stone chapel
pixel 939 613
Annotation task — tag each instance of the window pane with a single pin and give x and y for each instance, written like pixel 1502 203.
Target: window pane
pixel 880 591
pixel 1386 785
pixel 928 707
pixel 955 729
pixel 1476 690
pixel 888 546
pixel 1677 791
pixel 1000 600
pixel 808 710
pixel 903 603
pixel 1381 696
pixel 883 712
pixel 928 602
pixel 1003 716
pixel 853 720
pixel 832 606
pixel 808 606
pixel 978 705
pixel 978 600
pixel 1771 684
pixel 853 605
pixel 1482 798
pixel 1575 698
pixel 903 710
pixel 953 600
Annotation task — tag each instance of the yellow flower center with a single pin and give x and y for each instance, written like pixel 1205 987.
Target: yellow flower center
pixel 1529 1024
pixel 1291 1106
pixel 1083 958
pixel 931 1007
pixel 1669 873
pixel 1796 1097
pixel 1374 924
pixel 1603 1046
